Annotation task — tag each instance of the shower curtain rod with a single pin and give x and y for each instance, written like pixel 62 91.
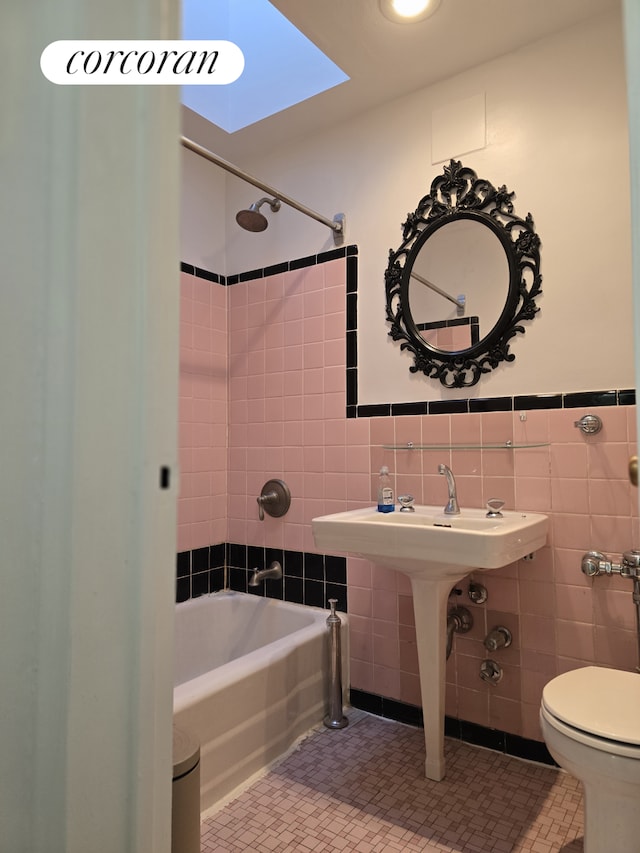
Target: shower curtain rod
pixel 337 225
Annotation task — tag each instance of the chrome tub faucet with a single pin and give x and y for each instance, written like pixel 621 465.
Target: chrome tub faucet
pixel 274 572
pixel 452 507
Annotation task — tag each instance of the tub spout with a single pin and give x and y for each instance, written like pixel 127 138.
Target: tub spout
pixel 274 571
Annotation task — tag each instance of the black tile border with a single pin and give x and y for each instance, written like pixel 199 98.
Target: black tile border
pixel 529 402
pixel 214 277
pixel 499 741
pixel 350 252
pixel 309 578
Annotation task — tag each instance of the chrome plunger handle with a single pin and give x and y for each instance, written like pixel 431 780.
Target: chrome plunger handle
pixel 335 719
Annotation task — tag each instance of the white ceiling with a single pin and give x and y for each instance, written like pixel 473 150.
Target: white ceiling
pixel 386 60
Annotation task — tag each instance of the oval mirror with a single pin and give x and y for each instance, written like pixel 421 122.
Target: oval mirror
pixel 465 275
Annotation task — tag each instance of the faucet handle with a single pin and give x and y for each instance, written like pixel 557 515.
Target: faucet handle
pixel 406 503
pixel 494 506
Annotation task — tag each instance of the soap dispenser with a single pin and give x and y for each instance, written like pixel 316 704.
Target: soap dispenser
pixel 386 502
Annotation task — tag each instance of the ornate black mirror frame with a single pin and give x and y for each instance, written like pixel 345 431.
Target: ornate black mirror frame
pixel 457 194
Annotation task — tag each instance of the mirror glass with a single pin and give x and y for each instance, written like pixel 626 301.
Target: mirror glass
pixel 467 264
pixel 464 278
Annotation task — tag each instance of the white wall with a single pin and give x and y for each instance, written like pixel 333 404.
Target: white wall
pixel 556 135
pixel 203 219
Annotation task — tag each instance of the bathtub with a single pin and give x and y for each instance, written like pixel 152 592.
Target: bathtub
pixel 251 676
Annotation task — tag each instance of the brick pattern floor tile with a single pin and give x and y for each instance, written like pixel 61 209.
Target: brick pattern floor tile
pixel 362 790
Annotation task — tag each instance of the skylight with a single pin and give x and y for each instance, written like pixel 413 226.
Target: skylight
pixel 282 67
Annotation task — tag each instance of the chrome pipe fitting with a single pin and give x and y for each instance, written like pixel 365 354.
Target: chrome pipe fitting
pixel 589 424
pixel 490 671
pixel 459 621
pixel 595 563
pixel 498 638
pixel 477 592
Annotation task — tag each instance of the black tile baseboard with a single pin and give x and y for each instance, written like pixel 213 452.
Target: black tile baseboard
pixel 200 571
pixel 308 578
pixel 401 712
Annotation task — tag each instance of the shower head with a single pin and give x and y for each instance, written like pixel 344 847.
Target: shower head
pixel 252 219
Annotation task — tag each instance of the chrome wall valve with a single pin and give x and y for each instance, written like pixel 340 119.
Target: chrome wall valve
pixel 498 638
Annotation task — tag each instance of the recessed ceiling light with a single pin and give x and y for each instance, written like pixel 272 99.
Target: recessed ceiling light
pixel 408 11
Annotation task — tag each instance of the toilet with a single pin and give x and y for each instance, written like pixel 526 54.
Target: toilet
pixel 590 721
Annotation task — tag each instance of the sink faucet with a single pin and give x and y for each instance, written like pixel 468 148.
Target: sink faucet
pixel 452 507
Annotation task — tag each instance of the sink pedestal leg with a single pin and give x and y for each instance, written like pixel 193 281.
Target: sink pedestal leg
pixel 430 609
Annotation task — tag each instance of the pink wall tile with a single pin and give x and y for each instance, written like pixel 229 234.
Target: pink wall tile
pixel 467 462
pixel 611 534
pixel 617 648
pixel 569 460
pixel 505 713
pixel 497 427
pixel 410 688
pixel 537 598
pixel 362 675
pixel 360 601
pixel 202 422
pixel 569 531
pixel 281 392
pixel 575 639
pixel 611 497
pixel 533 493
pixel 497 463
pixel 538 633
pixel 502 592
pixel 574 602
pixel 386 653
pixel 569 495
pixel 360 645
pixel 473 705
pixel 614 608
pixel 386 681
pixel 359 572
pixel 608 462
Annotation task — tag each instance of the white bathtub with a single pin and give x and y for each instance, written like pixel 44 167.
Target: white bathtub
pixel 251 676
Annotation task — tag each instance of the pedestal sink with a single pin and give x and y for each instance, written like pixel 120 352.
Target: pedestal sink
pixel 436 551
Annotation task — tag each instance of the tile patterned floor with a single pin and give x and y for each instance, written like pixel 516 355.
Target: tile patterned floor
pixel 362 790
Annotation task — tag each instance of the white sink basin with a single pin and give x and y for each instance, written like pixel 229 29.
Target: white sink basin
pixel 428 542
pixel 436 551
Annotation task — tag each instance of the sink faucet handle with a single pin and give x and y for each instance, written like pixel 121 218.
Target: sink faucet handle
pixel 406 503
pixel 494 506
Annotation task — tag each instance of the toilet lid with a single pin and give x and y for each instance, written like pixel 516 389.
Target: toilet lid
pixel 603 702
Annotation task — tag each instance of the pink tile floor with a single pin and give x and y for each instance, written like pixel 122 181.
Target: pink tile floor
pixel 362 790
